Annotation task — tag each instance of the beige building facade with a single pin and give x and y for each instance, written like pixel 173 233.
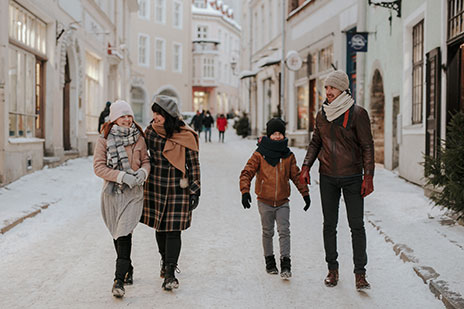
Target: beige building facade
pixel 161 47
pixel 60 62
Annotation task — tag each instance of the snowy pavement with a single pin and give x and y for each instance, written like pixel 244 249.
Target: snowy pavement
pixel 64 256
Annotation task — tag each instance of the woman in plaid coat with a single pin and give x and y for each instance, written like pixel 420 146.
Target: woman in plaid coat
pixel 172 189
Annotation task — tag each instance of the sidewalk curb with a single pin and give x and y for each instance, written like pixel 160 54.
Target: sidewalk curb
pixel 11 225
pixel 439 288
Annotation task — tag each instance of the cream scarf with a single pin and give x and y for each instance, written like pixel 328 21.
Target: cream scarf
pixel 338 106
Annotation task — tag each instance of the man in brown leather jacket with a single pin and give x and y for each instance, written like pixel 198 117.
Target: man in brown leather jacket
pixel 342 141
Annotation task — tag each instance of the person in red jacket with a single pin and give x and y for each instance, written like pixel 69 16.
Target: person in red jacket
pixel 221 124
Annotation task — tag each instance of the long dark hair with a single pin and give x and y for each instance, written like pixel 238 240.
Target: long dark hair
pixel 171 124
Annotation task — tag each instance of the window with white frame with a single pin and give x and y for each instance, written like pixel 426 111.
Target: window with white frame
pixel 219 71
pixel 177 14
pixel 200 4
pixel 208 68
pixel 417 72
pixel 202 32
pixel 160 11
pixel 144 50
pixel 144 9
pixel 226 42
pixel 160 54
pixel 224 79
pixel 325 58
pixel 92 91
pixel 177 58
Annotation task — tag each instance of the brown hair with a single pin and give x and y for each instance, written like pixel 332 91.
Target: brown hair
pixel 106 128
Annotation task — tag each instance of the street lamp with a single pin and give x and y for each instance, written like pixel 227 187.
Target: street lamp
pixel 233 65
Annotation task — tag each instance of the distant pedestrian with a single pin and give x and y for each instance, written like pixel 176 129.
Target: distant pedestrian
pixel 104 115
pixel 342 141
pixel 121 159
pixel 172 191
pixel 208 122
pixel 221 125
pixel 197 122
pixel 274 164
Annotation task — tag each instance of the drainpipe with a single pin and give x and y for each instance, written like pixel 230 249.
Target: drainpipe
pixel 282 61
pixel 361 57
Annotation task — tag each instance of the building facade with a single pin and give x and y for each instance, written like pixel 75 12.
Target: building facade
pixel 162 55
pixel 216 57
pixel 61 61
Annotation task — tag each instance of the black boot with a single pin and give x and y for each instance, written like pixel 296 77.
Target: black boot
pixel 162 268
pixel 129 278
pixel 285 267
pixel 118 288
pixel 271 267
pixel 170 281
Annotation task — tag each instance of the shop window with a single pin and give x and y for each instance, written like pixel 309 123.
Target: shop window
pixel 92 92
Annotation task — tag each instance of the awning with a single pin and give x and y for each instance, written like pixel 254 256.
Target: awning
pixel 247 74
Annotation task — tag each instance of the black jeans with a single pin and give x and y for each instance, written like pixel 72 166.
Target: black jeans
pixel 221 136
pixel 123 247
pixel 331 188
pixel 169 244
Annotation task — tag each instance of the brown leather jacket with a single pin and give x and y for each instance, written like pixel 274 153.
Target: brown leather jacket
pixel 272 182
pixel 344 147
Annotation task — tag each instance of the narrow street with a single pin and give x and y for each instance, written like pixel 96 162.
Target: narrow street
pixel 64 256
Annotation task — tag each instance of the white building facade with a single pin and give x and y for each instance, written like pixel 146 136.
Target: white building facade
pixel 162 55
pixel 216 57
pixel 60 62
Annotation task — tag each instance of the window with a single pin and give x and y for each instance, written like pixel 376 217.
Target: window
pixel 27 29
pixel 226 42
pixel 160 54
pixel 219 71
pixel 137 102
pixel 144 9
pixel 302 93
pixel 220 38
pixel 200 4
pixel 208 68
pixel 144 50
pixel 177 58
pixel 455 18
pixel 417 71
pixel 202 32
pixel 177 15
pixel 160 11
pixel 325 58
pixel 92 91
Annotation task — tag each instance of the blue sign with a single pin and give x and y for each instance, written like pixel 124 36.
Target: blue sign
pixel 356 41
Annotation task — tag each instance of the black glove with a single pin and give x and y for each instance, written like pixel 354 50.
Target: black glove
pixel 307 200
pixel 246 200
pixel 194 200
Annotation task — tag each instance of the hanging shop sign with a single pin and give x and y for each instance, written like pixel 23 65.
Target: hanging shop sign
pixel 357 41
pixel 293 60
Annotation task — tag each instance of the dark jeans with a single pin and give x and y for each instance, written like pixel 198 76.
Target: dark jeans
pixel 207 134
pixel 221 136
pixel 169 244
pixel 123 247
pixel 331 189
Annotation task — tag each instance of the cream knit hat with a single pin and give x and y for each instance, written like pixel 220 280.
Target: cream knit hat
pixel 338 79
pixel 120 108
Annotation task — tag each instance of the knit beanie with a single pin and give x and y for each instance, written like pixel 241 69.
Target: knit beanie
pixel 120 108
pixel 338 79
pixel 275 125
pixel 168 104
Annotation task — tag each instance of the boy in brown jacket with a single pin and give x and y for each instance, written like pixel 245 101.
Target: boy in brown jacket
pixel 274 164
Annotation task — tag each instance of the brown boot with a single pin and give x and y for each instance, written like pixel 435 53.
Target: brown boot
pixel 332 278
pixel 361 282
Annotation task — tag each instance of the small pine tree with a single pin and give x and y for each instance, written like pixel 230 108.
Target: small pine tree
pixel 242 126
pixel 446 172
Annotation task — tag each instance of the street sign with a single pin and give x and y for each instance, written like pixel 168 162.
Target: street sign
pixel 293 61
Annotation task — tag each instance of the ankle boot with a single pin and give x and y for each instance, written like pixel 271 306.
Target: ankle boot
pixel 162 268
pixel 170 281
pixel 129 278
pixel 118 288
pixel 361 282
pixel 285 267
pixel 332 278
pixel 271 267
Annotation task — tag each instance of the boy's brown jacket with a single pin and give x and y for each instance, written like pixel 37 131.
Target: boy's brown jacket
pixel 272 182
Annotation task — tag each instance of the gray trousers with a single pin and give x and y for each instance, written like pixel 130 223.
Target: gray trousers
pixel 269 215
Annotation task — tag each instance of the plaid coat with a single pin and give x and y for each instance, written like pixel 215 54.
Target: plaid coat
pixel 166 204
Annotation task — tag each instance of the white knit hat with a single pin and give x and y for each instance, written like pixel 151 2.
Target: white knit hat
pixel 120 108
pixel 338 79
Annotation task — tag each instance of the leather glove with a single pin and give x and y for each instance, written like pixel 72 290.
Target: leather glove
pixel 307 200
pixel 140 176
pixel 246 200
pixel 304 175
pixel 194 200
pixel 367 186
pixel 129 180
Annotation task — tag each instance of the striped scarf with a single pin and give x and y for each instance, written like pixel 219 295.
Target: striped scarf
pixel 118 138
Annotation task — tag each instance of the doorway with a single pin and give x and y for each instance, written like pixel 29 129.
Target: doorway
pixel 377 108
pixel 66 107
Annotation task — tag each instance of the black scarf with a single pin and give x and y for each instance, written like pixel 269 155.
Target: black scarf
pixel 273 151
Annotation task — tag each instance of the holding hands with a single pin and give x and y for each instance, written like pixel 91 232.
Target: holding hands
pixel 140 176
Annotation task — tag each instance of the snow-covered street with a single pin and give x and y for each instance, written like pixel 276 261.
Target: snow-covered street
pixel 64 257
